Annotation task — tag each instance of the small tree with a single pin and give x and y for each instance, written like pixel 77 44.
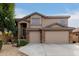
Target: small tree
pixel 7 20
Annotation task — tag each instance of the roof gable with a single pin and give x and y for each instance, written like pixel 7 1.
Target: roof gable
pixel 35 13
pixel 44 16
pixel 55 25
pixel 50 17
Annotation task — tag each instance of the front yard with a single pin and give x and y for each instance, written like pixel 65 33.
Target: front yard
pixel 41 50
pixel 9 50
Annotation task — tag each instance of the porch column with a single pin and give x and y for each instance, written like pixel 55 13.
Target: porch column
pixel 19 30
pixel 43 36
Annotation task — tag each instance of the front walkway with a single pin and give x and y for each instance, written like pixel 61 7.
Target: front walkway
pixel 9 50
pixel 51 49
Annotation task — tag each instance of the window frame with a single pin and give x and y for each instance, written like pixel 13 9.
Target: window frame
pixel 36 18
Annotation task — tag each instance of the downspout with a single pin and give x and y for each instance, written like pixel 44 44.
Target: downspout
pixel 41 36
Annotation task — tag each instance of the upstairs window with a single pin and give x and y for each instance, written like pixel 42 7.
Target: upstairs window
pixel 36 21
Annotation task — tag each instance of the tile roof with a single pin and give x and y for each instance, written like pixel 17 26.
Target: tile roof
pixel 76 30
pixel 44 16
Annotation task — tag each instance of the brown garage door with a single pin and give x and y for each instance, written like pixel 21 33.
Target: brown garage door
pixel 34 37
pixel 56 37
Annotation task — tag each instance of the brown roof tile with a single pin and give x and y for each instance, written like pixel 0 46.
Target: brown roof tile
pixel 76 30
pixel 44 16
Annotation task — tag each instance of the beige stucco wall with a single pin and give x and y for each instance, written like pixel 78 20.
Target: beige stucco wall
pixel 35 26
pixel 35 16
pixel 46 22
pixel 56 37
pixel 73 37
pixel 34 37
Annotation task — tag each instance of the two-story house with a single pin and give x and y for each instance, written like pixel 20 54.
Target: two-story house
pixel 38 28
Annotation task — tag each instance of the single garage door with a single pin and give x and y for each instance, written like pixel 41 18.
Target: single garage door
pixel 34 37
pixel 56 37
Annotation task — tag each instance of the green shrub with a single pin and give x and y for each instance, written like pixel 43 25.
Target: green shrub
pixel 21 42
pixel 1 43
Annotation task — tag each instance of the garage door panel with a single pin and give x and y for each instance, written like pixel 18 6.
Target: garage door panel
pixel 34 37
pixel 56 36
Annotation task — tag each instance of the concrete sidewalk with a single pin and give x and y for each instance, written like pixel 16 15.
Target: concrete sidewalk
pixel 50 50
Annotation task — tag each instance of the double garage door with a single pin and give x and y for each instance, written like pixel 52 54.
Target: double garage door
pixel 50 37
pixel 56 37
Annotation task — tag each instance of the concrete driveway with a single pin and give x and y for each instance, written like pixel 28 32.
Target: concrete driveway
pixel 50 49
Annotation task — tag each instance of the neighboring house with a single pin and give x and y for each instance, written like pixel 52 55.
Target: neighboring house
pixel 75 35
pixel 38 28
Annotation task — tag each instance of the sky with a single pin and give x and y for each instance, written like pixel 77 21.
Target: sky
pixel 70 9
